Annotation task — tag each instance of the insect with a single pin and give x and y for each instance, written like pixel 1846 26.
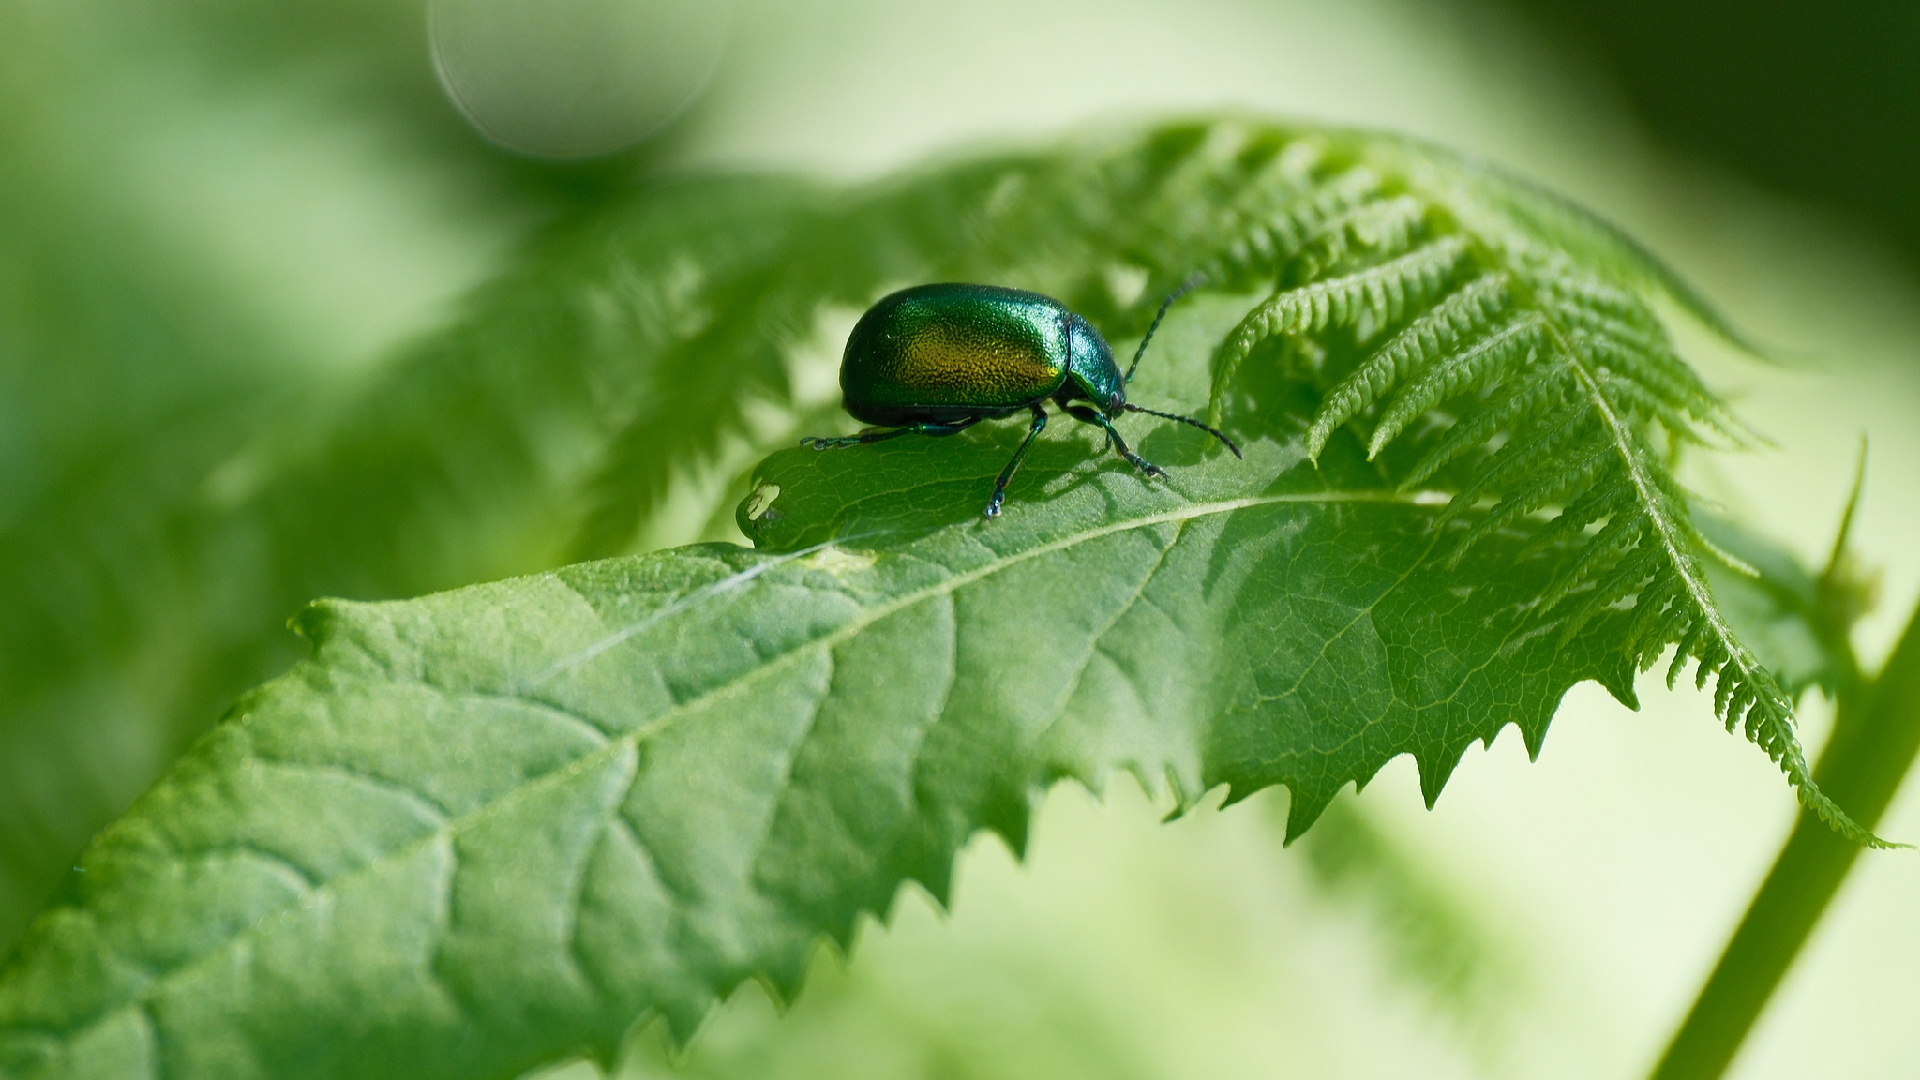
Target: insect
pixel 938 359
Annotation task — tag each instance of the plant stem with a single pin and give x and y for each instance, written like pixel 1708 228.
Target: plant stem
pixel 1876 733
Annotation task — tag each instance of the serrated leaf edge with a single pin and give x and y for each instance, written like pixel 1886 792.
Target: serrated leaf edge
pixel 451 827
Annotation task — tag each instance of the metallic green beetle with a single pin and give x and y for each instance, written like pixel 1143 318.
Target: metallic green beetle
pixel 937 359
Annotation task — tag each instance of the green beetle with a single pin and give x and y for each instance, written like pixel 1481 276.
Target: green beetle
pixel 937 359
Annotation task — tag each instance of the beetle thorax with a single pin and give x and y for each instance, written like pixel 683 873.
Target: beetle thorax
pixel 1091 370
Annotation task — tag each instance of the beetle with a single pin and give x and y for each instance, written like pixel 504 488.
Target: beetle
pixel 938 359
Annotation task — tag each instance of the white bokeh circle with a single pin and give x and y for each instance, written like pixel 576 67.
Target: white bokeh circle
pixel 571 79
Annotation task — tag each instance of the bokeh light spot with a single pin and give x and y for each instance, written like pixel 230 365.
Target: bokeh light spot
pixel 571 79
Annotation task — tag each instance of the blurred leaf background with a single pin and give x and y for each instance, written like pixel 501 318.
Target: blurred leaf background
pixel 230 234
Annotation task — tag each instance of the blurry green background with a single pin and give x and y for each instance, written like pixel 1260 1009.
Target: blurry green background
pixel 226 225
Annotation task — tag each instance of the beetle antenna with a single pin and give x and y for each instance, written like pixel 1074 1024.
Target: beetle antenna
pixel 1193 282
pixel 1131 407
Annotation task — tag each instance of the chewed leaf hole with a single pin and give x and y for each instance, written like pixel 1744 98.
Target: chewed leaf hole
pixel 761 500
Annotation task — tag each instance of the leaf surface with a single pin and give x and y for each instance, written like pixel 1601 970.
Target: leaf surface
pixel 483 828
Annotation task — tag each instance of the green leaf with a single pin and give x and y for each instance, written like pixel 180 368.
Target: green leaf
pixel 149 584
pixel 486 827
pixel 478 830
pixel 1525 329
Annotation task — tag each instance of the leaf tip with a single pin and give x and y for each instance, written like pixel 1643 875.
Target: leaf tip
pixel 1435 770
pixel 1316 441
pixel 315 621
pixel 1830 813
pixel 1303 809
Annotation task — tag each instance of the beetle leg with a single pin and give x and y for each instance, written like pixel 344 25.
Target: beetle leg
pixel 853 440
pixel 882 436
pixel 1006 474
pixel 938 430
pixel 1089 415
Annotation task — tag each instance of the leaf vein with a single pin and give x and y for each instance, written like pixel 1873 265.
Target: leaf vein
pixel 1071 684
pixel 429 806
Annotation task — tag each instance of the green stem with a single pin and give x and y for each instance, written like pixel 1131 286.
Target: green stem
pixel 1876 733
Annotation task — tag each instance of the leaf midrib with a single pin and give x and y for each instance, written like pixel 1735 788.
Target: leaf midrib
pixel 451 827
pixel 1618 435
pixel 1790 761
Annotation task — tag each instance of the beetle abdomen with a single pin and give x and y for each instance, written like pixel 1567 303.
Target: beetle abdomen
pixel 942 352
